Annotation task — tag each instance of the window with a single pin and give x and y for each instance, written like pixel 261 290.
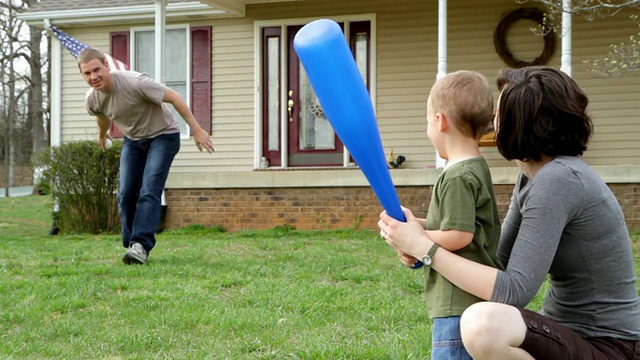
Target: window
pixel 187 70
pixel 176 59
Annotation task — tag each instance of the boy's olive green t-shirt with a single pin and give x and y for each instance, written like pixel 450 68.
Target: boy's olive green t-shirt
pixel 462 199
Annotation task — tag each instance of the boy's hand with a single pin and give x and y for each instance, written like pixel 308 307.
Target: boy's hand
pixel 408 260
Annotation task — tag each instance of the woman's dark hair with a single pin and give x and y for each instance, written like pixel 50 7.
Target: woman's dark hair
pixel 541 111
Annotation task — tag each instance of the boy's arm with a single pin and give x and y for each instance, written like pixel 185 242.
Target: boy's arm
pixel 451 240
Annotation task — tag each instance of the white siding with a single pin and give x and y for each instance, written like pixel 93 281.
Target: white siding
pixel 76 123
pixel 615 102
pixel 406 69
pixel 232 107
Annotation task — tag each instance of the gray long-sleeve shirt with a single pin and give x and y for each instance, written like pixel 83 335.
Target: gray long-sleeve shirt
pixel 566 222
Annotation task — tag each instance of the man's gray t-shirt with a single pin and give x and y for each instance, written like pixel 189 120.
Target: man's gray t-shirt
pixel 567 223
pixel 135 106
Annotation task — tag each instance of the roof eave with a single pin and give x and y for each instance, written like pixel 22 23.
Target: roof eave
pixel 123 14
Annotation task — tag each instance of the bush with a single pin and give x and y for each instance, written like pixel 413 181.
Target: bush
pixel 84 180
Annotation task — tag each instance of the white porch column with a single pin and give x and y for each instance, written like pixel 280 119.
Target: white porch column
pixel 160 24
pixel 565 60
pixel 160 21
pixel 442 57
pixel 55 98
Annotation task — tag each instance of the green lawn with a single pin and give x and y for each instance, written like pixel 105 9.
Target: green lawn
pixel 276 294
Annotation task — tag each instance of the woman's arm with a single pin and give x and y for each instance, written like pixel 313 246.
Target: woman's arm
pixel 410 238
pixel 542 212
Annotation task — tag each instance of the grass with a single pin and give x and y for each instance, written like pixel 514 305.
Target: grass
pixel 206 294
pixel 277 294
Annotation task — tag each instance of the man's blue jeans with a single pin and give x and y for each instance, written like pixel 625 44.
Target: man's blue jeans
pixel 144 167
pixel 446 342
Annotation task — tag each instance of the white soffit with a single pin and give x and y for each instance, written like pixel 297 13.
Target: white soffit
pixel 125 14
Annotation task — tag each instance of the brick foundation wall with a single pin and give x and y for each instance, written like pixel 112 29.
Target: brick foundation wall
pixel 628 196
pixel 322 208
pixel 304 208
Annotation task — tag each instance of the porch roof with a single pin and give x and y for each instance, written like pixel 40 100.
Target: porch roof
pixel 69 13
pixel 91 12
pixel 62 5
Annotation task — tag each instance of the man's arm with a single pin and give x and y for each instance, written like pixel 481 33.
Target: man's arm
pixel 103 129
pixel 103 125
pixel 200 137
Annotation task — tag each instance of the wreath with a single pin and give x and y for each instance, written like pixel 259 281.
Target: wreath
pixel 500 41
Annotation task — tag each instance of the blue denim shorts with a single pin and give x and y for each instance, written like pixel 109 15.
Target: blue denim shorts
pixel 446 342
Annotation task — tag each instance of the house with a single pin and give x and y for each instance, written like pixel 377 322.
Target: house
pixel 277 160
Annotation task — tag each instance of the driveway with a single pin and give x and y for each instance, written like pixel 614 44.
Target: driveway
pixel 17 191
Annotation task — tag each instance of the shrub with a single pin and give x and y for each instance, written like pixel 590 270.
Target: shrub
pixel 84 180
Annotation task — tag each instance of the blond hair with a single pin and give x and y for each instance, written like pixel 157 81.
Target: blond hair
pixel 465 97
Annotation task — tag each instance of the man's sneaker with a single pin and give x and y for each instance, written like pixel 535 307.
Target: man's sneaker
pixel 136 254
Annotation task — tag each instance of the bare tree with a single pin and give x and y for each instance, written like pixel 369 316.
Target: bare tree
pixel 590 9
pixel 38 129
pixel 9 38
pixel 624 57
pixel 21 76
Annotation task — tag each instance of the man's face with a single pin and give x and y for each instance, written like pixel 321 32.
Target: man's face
pixel 96 75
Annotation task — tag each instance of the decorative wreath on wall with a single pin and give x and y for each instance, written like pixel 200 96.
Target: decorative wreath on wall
pixel 500 41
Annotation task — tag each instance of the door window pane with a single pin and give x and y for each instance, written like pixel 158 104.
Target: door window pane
pixel 273 105
pixel 362 55
pixel 316 132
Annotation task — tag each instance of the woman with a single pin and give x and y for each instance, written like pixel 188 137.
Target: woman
pixel 562 221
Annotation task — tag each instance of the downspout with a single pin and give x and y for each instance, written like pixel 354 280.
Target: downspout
pixel 565 59
pixel 442 57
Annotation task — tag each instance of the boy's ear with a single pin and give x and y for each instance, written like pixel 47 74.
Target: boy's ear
pixel 442 122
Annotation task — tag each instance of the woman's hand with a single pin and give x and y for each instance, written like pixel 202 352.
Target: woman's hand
pixel 407 238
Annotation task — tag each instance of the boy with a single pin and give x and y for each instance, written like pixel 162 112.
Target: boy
pixel 462 215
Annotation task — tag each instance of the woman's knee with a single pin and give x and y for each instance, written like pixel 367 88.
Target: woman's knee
pixel 480 322
pixel 476 320
pixel 487 325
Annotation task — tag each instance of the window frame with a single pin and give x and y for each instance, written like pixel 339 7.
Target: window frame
pixel 259 71
pixel 186 134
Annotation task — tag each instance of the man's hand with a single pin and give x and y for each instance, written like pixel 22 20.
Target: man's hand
pixel 102 140
pixel 202 140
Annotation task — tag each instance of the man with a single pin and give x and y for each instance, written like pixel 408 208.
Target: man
pixel 136 104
